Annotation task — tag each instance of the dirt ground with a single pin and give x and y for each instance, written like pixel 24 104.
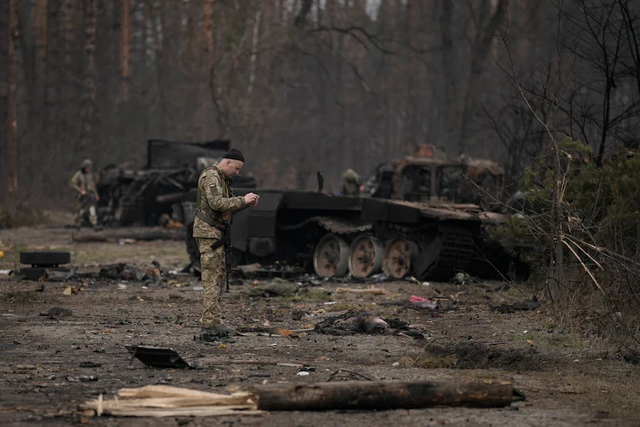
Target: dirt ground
pixel 568 378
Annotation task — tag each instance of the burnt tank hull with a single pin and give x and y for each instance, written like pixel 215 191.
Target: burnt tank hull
pixel 332 236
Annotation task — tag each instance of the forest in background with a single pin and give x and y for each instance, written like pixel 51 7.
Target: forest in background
pixel 551 89
pixel 307 85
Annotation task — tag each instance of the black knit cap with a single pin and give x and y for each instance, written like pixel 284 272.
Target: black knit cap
pixel 234 154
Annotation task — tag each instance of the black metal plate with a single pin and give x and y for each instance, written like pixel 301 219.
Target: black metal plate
pixel 45 258
pixel 380 210
pixel 158 357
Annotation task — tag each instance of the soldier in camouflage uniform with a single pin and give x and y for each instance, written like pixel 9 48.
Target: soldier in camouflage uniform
pixel 215 204
pixel 87 195
pixel 350 186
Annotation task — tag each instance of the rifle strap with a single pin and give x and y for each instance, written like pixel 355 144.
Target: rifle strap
pixel 210 221
pixel 217 244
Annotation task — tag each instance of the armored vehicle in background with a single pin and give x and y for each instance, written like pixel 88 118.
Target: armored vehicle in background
pixel 413 224
pixel 429 177
pixel 130 196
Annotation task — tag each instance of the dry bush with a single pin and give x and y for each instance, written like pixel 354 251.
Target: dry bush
pixel 22 216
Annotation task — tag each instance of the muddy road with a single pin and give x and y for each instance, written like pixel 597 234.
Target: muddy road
pixel 50 364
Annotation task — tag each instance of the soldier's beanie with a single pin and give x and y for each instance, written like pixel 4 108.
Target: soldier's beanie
pixel 234 154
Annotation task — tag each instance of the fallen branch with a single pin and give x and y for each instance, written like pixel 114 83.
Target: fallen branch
pixel 137 235
pixel 378 395
pixel 372 291
pixel 167 401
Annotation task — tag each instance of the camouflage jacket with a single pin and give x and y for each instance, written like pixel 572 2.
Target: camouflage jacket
pixel 216 201
pixel 83 181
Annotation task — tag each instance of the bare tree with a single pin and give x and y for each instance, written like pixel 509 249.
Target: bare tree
pixel 12 119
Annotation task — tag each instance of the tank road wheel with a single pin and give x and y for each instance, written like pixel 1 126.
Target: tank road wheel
pixel 365 258
pixel 331 257
pixel 397 258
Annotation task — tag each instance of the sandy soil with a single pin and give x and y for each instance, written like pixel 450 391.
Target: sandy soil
pixel 568 378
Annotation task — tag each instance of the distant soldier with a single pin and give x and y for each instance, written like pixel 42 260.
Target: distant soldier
pixel 87 196
pixel 350 186
pixel 215 204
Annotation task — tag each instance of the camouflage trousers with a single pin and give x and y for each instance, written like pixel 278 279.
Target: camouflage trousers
pixel 86 207
pixel 214 277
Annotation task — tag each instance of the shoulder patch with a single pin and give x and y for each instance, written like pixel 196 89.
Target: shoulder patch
pixel 212 185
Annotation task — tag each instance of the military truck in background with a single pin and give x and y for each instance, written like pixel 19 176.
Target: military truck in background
pixel 413 224
pixel 143 196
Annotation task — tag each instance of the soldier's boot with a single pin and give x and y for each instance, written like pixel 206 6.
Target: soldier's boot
pixel 93 218
pixel 78 221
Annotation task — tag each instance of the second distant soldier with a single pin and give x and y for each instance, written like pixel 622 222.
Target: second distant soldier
pixel 350 186
pixel 86 194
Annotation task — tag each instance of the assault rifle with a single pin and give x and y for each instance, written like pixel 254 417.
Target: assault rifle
pixel 227 251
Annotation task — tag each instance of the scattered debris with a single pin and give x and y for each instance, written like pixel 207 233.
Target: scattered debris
pixel 167 401
pixel 633 358
pixel 57 312
pixel 5 272
pixel 157 357
pixel 82 379
pixel 462 278
pixel 69 290
pixel 525 305
pixel 299 313
pixel 422 303
pixel 90 365
pixel 343 374
pixel 277 271
pixel 129 272
pixel 283 332
pixel 373 291
pixel 56 275
pixel 276 288
pixel 26 367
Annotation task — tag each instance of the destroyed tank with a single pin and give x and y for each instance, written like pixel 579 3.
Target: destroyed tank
pixel 413 225
pixel 130 196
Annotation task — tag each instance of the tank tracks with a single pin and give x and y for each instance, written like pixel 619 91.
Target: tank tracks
pixel 332 224
pixel 457 249
pixel 445 249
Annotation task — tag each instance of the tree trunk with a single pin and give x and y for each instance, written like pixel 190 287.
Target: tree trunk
pixel 90 79
pixel 207 31
pixel 479 55
pixel 12 124
pixel 67 20
pixel 382 395
pixel 125 48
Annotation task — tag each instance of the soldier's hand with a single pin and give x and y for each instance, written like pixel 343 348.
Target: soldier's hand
pixel 251 199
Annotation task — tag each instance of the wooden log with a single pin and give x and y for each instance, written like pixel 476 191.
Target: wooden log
pixel 361 291
pixel 138 235
pixel 373 395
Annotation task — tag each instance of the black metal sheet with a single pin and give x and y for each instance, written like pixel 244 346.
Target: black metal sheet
pixel 380 210
pixel 158 357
